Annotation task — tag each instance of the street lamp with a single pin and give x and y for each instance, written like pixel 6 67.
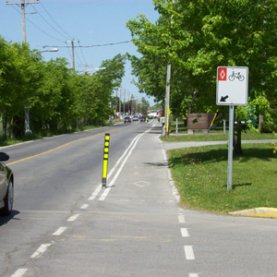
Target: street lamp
pixel 55 49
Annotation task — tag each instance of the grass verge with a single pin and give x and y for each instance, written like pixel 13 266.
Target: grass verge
pixel 200 175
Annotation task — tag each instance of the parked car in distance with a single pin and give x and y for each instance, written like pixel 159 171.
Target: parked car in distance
pixel 127 119
pixel 152 114
pixel 6 186
pixel 135 118
pixel 141 118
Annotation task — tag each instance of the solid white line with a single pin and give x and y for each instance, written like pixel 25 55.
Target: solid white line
pixel 104 194
pixel 107 190
pixel 59 231
pixel 125 160
pixel 122 157
pixel 84 207
pixel 181 218
pixel 40 250
pixel 164 155
pixel 193 275
pixel 20 272
pixel 73 217
pixel 184 232
pixel 95 193
pixel 189 252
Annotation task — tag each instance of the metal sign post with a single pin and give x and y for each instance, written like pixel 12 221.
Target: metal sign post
pixel 231 90
pixel 230 147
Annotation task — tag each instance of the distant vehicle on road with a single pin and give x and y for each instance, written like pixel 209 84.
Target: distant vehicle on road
pixel 141 118
pixel 127 119
pixel 135 118
pixel 152 115
pixel 6 186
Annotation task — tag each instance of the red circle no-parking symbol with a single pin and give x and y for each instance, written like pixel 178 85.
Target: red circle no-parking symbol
pixel 222 74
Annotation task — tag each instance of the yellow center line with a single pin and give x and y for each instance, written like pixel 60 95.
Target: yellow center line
pixel 42 153
pixel 48 151
pixel 52 149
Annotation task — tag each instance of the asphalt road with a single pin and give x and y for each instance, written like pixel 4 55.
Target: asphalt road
pixel 66 224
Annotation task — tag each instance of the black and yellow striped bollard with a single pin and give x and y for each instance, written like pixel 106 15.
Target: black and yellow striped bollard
pixel 105 159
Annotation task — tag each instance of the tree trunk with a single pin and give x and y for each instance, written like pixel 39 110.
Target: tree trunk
pixel 261 121
pixel 237 138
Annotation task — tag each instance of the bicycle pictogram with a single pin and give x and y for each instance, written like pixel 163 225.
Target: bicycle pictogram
pixel 235 75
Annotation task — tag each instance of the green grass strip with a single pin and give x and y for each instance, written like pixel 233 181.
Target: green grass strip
pixel 200 175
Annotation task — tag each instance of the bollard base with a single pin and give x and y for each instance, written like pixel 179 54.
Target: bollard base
pixel 104 183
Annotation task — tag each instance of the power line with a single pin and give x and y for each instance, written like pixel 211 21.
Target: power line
pixel 50 24
pixel 82 54
pixel 35 26
pixel 54 20
pixel 105 44
pixel 93 45
pixel 44 32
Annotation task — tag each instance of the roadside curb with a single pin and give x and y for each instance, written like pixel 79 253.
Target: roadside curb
pixel 257 212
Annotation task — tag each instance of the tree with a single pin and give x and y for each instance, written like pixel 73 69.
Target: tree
pixel 21 75
pixel 59 99
pixel 52 99
pixel 197 36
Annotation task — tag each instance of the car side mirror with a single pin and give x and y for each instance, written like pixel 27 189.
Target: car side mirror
pixel 4 157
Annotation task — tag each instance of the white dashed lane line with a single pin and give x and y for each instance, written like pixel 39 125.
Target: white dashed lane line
pixel 184 232
pixel 104 194
pixel 189 252
pixel 59 231
pixel 193 275
pixel 188 249
pixel 84 207
pixel 181 218
pixel 73 217
pixel 20 272
pixel 95 193
pixel 40 250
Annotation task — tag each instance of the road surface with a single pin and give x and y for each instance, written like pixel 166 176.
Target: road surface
pixel 66 224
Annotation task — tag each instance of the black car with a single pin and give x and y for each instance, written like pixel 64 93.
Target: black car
pixel 6 186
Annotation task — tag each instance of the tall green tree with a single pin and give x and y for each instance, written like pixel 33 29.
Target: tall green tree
pixel 94 91
pixel 53 97
pixel 21 75
pixel 197 36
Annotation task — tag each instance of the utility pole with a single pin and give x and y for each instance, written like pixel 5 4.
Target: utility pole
pixel 23 21
pixel 73 54
pixel 119 103
pixel 167 93
pixel 23 4
pixel 167 98
pixel 124 99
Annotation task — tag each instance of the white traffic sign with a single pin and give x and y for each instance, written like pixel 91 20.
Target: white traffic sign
pixel 232 85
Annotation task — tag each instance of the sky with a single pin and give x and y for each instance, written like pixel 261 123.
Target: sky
pixel 86 22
